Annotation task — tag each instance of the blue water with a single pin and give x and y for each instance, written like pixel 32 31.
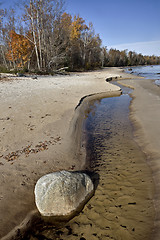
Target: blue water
pixel 149 72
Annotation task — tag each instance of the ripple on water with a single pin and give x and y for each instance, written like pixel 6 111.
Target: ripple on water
pixel 122 206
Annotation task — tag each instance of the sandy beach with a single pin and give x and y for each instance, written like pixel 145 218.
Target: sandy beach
pixel 145 114
pixel 40 133
pixel 40 124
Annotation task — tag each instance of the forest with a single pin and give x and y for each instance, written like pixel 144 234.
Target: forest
pixel 40 36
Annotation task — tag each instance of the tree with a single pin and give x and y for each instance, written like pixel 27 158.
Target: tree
pixel 41 17
pixel 46 38
pixel 7 26
pixel 20 49
pixel 83 48
pixel 2 49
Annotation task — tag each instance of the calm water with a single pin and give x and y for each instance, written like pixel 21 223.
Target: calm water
pixel 122 207
pixel 149 72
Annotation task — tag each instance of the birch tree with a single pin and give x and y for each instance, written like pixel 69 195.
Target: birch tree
pixel 41 17
pixel 2 55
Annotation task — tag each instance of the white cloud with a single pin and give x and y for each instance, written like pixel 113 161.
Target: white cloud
pixel 146 48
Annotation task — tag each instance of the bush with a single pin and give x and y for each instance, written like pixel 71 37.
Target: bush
pixel 3 69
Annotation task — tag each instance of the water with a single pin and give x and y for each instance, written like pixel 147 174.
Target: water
pixel 125 187
pixel 149 72
pixel 122 206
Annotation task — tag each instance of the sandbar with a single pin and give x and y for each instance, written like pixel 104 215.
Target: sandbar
pixel 145 115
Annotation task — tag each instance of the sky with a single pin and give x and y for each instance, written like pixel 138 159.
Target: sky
pixel 121 24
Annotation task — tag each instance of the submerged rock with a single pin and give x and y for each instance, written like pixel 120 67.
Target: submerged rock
pixel 62 193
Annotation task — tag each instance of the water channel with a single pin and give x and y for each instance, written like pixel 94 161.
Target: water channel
pixel 122 207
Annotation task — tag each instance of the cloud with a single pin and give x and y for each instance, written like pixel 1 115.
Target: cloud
pixel 146 48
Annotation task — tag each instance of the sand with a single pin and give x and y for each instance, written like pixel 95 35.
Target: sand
pixel 122 206
pixel 145 114
pixel 41 133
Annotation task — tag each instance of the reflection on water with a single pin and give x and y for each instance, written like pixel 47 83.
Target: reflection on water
pixel 122 205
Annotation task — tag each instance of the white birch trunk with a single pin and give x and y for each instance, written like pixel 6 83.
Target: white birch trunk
pixel 34 36
pixel 39 39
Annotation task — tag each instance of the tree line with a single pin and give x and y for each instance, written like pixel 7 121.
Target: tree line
pixel 45 38
pixel 116 58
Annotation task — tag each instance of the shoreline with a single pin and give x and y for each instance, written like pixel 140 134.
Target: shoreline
pixel 144 115
pixel 37 124
pixel 72 134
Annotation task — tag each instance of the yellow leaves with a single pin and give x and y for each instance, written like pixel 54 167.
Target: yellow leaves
pixel 66 21
pixel 73 27
pixel 78 25
pixel 19 48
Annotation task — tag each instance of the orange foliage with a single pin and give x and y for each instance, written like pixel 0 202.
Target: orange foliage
pixel 77 27
pixel 20 49
pixel 66 21
pixel 73 27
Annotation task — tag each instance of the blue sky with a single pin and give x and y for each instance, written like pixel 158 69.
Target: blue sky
pixel 133 23
pixel 122 24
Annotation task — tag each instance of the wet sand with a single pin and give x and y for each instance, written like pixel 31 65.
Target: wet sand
pixel 145 114
pixel 122 207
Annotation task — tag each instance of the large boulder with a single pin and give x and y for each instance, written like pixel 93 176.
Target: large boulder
pixel 62 193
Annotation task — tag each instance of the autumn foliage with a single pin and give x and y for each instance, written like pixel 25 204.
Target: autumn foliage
pixel 19 49
pixel 45 38
pixel 77 26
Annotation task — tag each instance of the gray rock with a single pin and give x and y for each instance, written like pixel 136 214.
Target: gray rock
pixel 62 193
pixel 20 75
